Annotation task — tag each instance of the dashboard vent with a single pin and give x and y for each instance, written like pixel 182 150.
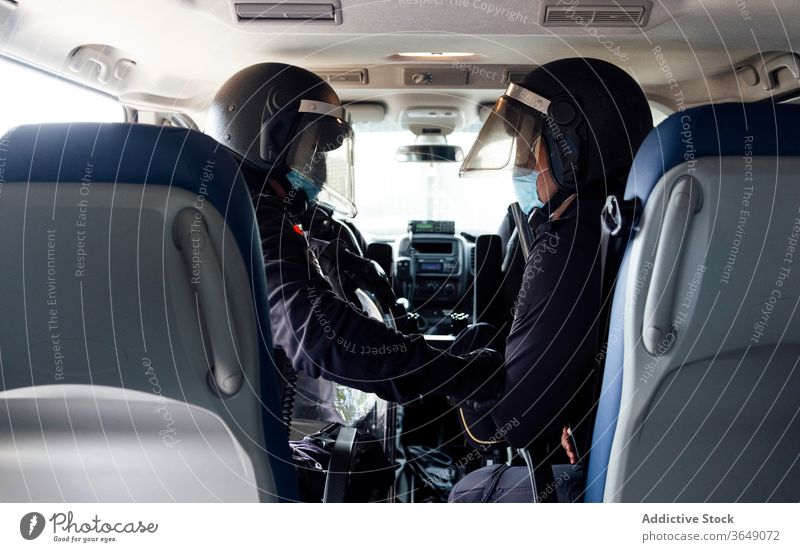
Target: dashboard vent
pixel 577 15
pixel 276 12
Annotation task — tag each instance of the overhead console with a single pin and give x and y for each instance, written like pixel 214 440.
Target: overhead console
pixel 432 271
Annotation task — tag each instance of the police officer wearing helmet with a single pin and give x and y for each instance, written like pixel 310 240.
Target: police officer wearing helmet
pixel 567 134
pixel 292 134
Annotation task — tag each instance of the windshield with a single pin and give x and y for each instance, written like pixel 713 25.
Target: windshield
pixel 390 193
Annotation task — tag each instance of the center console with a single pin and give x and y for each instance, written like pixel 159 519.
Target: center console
pixel 432 271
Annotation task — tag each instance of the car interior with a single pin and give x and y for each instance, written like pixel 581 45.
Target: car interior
pixel 125 379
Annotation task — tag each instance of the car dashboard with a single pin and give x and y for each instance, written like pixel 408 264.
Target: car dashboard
pixel 433 271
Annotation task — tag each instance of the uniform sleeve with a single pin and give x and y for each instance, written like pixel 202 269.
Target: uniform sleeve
pixel 553 336
pixel 322 335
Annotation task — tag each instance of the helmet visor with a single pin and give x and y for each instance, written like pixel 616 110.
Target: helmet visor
pixel 510 133
pixel 322 152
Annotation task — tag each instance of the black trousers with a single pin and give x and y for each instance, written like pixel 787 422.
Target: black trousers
pixel 502 483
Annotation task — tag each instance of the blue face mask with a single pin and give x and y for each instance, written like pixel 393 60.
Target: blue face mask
pixel 525 189
pixel 298 181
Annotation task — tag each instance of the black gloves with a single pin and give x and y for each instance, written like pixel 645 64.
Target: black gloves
pixel 480 384
pixel 347 271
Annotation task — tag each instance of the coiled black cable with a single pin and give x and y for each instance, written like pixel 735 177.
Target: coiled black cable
pixel 289 382
pixel 287 401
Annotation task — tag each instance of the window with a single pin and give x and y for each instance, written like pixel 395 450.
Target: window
pixel 389 193
pixel 31 96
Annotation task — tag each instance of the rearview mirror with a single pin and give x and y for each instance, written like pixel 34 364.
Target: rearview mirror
pixel 429 153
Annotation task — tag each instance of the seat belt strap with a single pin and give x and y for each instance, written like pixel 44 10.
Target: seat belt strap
pixel 618 219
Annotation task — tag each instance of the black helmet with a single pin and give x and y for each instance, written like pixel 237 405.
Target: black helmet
pixel 278 116
pixel 592 115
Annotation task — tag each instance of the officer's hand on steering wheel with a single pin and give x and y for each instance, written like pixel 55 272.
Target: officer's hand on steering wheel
pixel 348 272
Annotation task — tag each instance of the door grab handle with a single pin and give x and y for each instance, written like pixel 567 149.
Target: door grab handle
pixel 685 199
pixel 190 235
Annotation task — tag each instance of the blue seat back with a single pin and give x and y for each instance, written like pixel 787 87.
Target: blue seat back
pixel 106 282
pixel 694 402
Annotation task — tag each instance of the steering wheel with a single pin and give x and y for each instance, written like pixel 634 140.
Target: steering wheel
pixel 373 308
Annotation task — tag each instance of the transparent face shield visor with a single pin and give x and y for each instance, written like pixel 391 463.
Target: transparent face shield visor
pixel 322 153
pixel 510 134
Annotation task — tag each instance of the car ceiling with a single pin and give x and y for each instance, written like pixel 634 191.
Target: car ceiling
pixel 183 50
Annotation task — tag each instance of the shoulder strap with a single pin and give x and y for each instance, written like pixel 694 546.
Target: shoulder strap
pixel 618 219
